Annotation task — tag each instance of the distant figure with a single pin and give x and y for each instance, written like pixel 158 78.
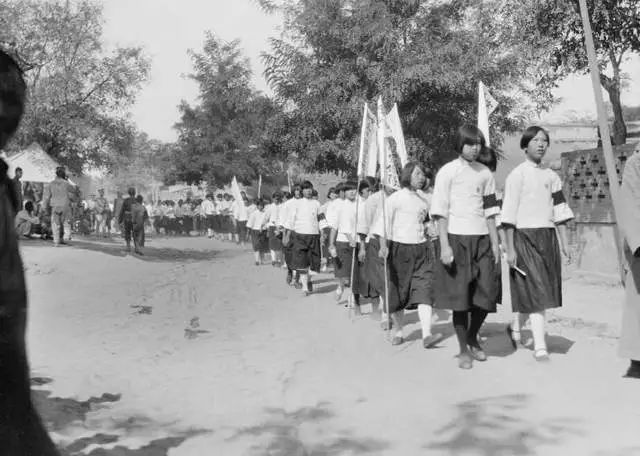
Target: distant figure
pixel 139 217
pixel 27 223
pixel 125 217
pixel 630 226
pixel 21 432
pixel 117 205
pixel 101 210
pixel 17 188
pixel 57 199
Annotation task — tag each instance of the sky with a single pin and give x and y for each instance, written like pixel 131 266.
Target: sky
pixel 168 28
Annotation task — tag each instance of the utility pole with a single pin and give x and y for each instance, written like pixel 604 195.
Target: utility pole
pixel 607 149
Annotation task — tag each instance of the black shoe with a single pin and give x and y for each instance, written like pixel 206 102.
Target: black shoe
pixel 289 277
pixel 310 286
pixel 634 370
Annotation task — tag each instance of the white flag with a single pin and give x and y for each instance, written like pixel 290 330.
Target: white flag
pixel 386 146
pixel 368 156
pixel 235 191
pixel 486 105
pixel 395 130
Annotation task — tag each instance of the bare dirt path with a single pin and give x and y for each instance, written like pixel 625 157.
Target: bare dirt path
pixel 193 350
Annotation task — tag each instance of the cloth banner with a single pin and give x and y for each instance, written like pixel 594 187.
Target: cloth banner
pixel 394 129
pixel 368 155
pixel 486 105
pixel 387 150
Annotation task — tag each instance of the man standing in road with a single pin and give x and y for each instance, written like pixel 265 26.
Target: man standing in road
pixel 125 217
pixel 57 198
pixel 17 188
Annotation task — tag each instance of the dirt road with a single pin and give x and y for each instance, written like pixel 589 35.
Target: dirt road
pixel 193 350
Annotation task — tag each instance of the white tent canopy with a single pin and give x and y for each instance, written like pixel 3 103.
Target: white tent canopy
pixel 36 164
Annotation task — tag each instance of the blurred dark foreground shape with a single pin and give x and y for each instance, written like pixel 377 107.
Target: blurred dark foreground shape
pixel 21 431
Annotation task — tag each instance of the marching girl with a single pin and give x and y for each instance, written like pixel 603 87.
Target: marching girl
pixel 286 234
pixel 375 230
pixel 410 256
pixel 344 242
pixel 257 226
pixel 464 204
pixel 304 230
pixel 331 216
pixel 275 237
pixel 535 213
pixel 208 209
pixel 366 289
pixel 326 230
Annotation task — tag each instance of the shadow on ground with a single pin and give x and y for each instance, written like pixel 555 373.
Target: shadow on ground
pixel 60 413
pixel 494 426
pixel 151 254
pixel 279 435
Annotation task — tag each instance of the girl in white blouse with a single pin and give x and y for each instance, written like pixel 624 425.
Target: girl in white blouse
pixel 410 255
pixel 534 209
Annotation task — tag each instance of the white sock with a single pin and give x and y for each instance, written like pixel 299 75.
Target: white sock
pixel 537 328
pixel 304 280
pixel 425 313
pixel 257 257
pixel 273 256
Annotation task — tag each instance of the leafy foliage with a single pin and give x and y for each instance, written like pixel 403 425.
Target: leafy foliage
pixel 79 93
pixel 616 33
pixel 231 130
pixel 335 55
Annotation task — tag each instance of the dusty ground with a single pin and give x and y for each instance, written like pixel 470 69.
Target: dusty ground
pixel 193 350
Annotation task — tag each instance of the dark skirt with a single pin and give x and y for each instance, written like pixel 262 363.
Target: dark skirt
pixel 211 221
pixel 538 255
pixel 372 276
pixel 343 263
pixel 305 251
pixel 241 229
pixel 325 245
pixel 473 280
pixel 367 288
pixel 410 275
pixel 275 239
pixel 260 241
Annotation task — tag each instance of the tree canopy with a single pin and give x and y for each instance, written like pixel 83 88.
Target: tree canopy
pixel 616 33
pixel 226 132
pixel 335 55
pixel 79 92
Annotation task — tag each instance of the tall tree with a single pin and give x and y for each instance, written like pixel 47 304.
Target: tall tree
pixel 616 32
pixel 428 57
pixel 223 134
pixel 79 92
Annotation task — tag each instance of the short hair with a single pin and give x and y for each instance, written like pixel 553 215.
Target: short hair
pixel 296 187
pixel 340 187
pixel 13 90
pixel 363 185
pixel 140 199
pixel 18 169
pixel 406 172
pixel 314 193
pixel 349 185
pixel 28 205
pixel 286 195
pixel 60 172
pixel 330 191
pixel 531 133
pixel 469 135
pixel 489 158
pixel 131 191
pixel 260 202
pixel 277 195
pixel 306 185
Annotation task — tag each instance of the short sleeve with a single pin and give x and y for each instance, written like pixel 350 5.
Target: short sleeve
pixel 511 200
pixel 561 211
pixel 332 213
pixel 441 194
pixel 290 217
pixel 489 198
pixel 362 219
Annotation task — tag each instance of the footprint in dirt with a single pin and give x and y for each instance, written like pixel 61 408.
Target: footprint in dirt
pixel 143 310
pixel 192 332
